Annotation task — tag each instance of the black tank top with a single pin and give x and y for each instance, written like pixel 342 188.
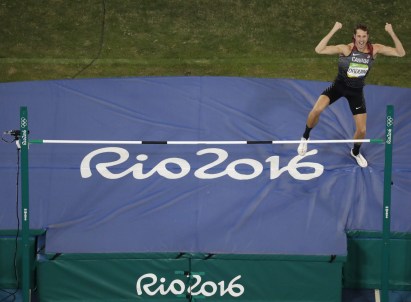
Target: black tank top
pixel 353 69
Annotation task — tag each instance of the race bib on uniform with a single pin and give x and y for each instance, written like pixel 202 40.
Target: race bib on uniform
pixel 357 70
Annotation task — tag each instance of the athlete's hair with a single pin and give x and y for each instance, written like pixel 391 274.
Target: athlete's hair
pixel 363 27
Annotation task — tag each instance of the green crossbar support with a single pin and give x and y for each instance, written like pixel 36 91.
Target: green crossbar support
pixel 386 227
pixel 25 253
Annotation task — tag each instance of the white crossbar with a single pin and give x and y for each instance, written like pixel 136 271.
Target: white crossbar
pixel 113 142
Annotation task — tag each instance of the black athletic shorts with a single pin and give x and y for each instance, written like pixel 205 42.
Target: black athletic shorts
pixel 355 96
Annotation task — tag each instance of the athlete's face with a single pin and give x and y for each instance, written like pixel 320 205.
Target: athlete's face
pixel 361 39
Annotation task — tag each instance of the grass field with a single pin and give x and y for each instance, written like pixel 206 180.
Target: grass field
pixel 61 39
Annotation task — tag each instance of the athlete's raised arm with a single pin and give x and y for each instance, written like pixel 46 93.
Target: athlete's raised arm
pixel 325 49
pixel 396 51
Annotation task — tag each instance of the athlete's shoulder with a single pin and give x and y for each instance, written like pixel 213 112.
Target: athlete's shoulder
pixel 346 49
pixel 377 47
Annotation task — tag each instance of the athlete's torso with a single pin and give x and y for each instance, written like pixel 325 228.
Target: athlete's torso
pixel 353 69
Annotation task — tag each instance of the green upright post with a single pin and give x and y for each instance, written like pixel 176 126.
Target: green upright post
pixel 25 255
pixel 386 227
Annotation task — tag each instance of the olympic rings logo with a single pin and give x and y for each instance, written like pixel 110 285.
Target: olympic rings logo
pixel 390 121
pixel 23 122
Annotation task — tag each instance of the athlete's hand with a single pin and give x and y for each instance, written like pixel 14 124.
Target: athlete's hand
pixel 388 28
pixel 337 26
